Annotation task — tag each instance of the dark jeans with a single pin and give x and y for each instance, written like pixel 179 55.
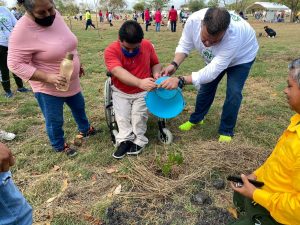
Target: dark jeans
pixel 254 213
pixel 5 72
pixel 236 77
pixel 52 109
pixel 89 23
pixel 147 24
pixel 173 26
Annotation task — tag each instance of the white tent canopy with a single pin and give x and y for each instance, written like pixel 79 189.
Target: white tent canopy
pixel 267 6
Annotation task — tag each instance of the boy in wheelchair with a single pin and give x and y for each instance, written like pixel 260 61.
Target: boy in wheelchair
pixel 134 66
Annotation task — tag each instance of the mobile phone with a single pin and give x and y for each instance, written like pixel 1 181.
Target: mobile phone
pixel 238 179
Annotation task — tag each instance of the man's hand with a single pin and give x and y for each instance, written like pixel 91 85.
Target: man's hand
pixel 246 190
pixel 6 158
pixel 147 84
pixel 57 80
pixel 169 70
pixel 171 83
pixel 156 76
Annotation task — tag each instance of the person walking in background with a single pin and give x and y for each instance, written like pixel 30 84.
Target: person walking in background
pixel 14 209
pixel 135 16
pixel 38 44
pixel 134 65
pixel 80 16
pixel 173 18
pixel 147 18
pixel 106 15
pixel 158 18
pixel 101 16
pixel 7 24
pixel 110 18
pixel 219 37
pixel 277 202
pixel 181 16
pixel 143 16
pixel 88 18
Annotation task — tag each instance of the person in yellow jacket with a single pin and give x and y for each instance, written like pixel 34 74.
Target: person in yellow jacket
pixel 278 201
pixel 88 18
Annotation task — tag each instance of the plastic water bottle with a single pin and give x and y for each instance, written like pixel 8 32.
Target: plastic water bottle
pixel 66 69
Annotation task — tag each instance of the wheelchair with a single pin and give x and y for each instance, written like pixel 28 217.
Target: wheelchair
pixel 164 134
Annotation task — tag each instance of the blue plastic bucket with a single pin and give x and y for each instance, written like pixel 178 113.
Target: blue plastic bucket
pixel 164 103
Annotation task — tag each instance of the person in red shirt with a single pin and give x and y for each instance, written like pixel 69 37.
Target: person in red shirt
pixel 158 19
pixel 147 18
pixel 106 15
pixel 134 66
pixel 101 16
pixel 173 18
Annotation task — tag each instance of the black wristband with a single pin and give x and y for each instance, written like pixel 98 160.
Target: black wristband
pixel 174 64
pixel 181 82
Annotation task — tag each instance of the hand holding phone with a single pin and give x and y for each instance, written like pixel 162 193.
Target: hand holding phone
pixel 238 179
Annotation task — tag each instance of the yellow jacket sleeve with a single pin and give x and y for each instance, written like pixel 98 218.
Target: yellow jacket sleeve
pixel 284 206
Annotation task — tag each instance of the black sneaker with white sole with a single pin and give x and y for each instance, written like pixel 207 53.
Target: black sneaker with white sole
pixel 122 149
pixel 135 149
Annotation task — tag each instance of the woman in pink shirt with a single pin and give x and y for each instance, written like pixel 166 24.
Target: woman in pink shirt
pixel 38 44
pixel 158 18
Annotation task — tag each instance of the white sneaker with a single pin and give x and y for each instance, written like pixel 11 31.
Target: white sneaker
pixel 6 135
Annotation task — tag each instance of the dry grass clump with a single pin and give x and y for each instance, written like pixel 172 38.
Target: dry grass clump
pixel 199 161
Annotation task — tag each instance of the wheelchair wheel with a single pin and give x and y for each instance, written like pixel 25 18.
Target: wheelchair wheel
pixel 166 137
pixel 108 102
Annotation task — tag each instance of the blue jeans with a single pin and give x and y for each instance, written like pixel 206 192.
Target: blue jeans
pixel 52 109
pixel 236 77
pixel 157 28
pixel 14 209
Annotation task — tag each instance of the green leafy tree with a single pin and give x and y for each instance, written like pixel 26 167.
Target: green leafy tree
pixel 213 3
pixel 67 7
pixel 139 7
pixel 112 5
pixel 2 2
pixel 195 5
pixel 294 5
pixel 159 3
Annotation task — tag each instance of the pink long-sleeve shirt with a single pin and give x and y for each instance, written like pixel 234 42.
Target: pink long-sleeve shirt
pixel 33 47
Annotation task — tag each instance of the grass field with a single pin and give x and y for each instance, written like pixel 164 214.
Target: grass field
pixel 157 187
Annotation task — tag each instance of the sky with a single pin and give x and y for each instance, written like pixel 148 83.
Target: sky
pixel 130 3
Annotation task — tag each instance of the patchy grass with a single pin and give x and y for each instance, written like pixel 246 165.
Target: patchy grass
pixel 81 190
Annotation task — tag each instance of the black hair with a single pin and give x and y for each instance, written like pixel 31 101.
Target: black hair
pixel 131 32
pixel 216 20
pixel 28 4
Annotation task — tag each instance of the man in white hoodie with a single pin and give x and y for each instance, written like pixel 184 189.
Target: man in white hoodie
pixel 228 45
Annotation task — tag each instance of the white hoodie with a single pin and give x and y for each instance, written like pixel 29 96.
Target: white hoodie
pixel 238 46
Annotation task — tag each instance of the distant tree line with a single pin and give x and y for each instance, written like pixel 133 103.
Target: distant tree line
pixel 67 7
